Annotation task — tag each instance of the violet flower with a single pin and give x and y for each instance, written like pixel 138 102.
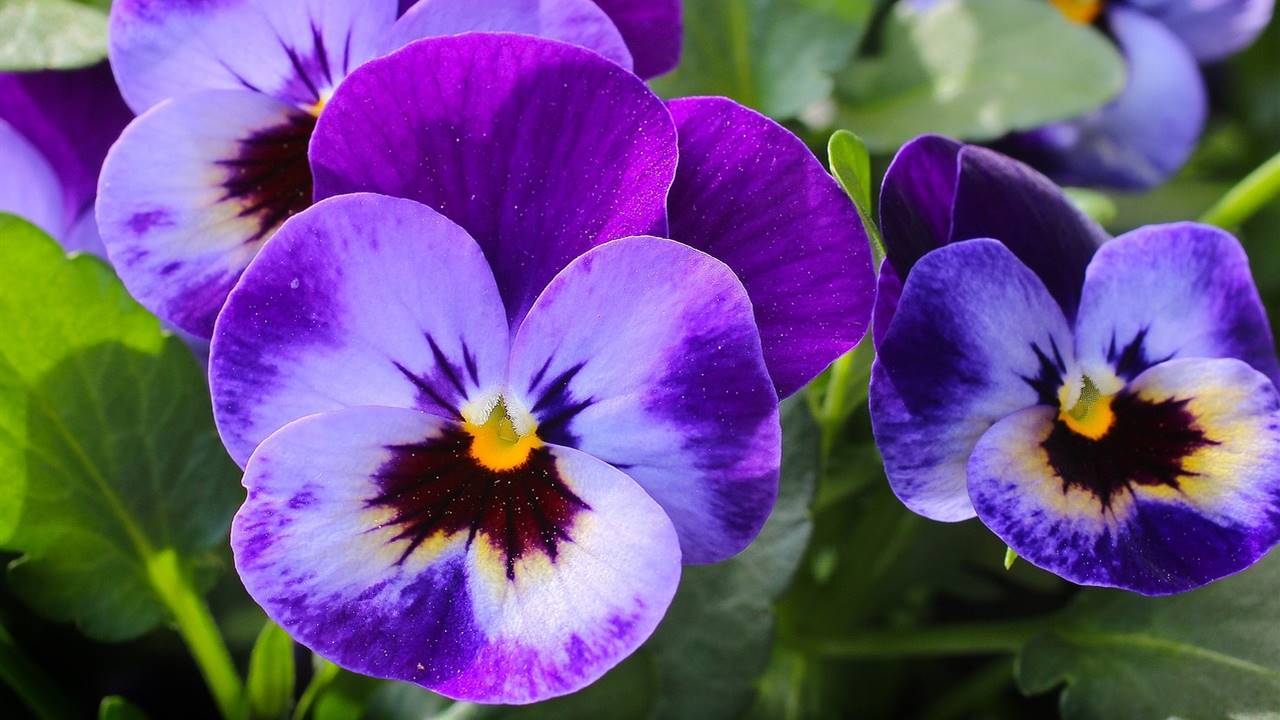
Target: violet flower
pixel 482 438
pixel 229 93
pixel 1145 135
pixel 55 128
pixel 1108 410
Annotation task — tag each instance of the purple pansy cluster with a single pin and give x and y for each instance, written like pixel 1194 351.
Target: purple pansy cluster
pixel 499 336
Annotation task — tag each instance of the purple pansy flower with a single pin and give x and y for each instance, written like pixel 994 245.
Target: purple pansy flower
pixel 229 92
pixel 1107 409
pixel 1146 134
pixel 55 128
pixel 483 432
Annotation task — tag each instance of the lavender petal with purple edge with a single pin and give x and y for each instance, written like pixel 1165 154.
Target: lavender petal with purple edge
pixel 1211 29
pixel 976 337
pixel 675 393
pixel 579 22
pixel 72 117
pixel 1182 490
pixel 1172 291
pixel 349 542
pixel 360 300
pixel 653 29
pixel 1142 137
pixel 750 193
pixel 29 187
pixel 539 149
pixel 295 50
pixel 193 189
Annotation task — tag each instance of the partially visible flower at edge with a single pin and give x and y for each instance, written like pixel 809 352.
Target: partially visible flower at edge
pixel 1147 133
pixel 228 94
pixel 1105 406
pixel 55 129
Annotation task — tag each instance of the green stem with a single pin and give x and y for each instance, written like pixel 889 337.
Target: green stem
pixel 176 587
pixel 324 675
pixel 1248 197
pixel 30 683
pixel 940 641
pixel 833 402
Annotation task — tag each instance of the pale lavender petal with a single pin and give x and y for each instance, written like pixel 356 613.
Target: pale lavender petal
pixel 752 194
pixel 29 187
pixel 360 300
pixel 540 150
pixel 975 338
pixel 643 352
pixel 371 536
pixel 1212 29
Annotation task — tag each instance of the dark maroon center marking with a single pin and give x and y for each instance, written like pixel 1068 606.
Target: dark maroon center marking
pixel 437 487
pixel 271 177
pixel 1146 445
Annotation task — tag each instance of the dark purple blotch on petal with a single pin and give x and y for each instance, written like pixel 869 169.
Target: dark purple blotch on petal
pixel 1048 377
pixel 270 178
pixel 557 406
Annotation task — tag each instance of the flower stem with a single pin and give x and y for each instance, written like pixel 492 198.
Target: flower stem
pixel 176 587
pixel 30 683
pixel 1247 197
pixel 939 641
pixel 324 675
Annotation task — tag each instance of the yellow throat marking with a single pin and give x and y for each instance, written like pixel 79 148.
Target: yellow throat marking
pixel 1080 11
pixel 1090 415
pixel 496 445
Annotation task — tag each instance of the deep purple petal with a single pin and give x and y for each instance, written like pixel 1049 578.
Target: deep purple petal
pixel 1145 135
pixel 976 337
pixel 361 300
pixel 357 538
pixel 541 150
pixel 579 22
pixel 293 50
pixel 653 30
pixel 191 191
pixel 72 117
pixel 752 194
pixel 29 187
pixel 1172 291
pixel 888 293
pixel 916 197
pixel 1183 490
pixel 644 353
pixel 1212 29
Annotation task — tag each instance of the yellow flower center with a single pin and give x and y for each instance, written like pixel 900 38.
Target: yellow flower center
pixel 1087 413
pixel 1081 11
pixel 496 444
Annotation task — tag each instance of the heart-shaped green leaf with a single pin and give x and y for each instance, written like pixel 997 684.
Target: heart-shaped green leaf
pixel 51 34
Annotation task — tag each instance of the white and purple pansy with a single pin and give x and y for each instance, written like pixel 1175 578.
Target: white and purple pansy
pixel 1145 135
pixel 483 424
pixel 229 92
pixel 55 129
pixel 1108 410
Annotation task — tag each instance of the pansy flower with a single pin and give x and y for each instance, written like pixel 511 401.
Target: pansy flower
pixel 481 438
pixel 55 128
pixel 229 93
pixel 1146 134
pixel 1107 410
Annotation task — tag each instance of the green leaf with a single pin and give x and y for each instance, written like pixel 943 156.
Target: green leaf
pixel 851 165
pixel 51 34
pixel 271 673
pixel 1210 653
pixel 774 55
pixel 115 707
pixel 112 471
pixel 977 69
pixel 1097 205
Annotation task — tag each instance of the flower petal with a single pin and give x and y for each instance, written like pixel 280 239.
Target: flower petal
pixel 361 300
pixel 555 151
pixel 916 199
pixel 653 30
pixel 191 192
pixel 1212 29
pixel 579 22
pixel 976 337
pixel 72 117
pixel 1183 490
pixel 750 193
pixel 643 352
pixel 1142 137
pixel 29 187
pixel 296 50
pixel 372 538
pixel 1172 291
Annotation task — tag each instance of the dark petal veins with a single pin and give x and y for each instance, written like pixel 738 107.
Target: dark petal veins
pixel 270 178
